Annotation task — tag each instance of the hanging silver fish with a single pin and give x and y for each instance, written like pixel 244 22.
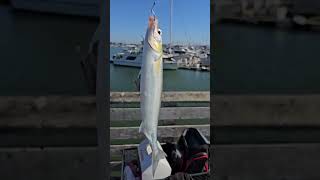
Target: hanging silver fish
pixel 151 87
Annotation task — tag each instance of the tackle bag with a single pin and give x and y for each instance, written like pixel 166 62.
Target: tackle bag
pixel 197 163
pixel 194 149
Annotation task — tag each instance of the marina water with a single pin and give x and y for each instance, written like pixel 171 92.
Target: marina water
pixel 122 78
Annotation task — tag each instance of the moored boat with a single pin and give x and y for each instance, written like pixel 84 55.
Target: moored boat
pixel 133 58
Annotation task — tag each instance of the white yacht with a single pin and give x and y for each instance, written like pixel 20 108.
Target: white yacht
pixel 133 57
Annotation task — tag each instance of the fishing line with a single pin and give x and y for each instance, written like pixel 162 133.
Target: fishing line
pixel 152 11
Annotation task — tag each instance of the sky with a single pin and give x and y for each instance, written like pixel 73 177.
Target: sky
pixel 190 20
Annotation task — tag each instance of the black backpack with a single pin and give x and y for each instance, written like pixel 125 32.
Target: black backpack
pixel 197 163
pixel 194 148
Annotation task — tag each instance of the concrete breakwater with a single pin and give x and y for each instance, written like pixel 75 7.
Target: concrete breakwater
pixel 280 12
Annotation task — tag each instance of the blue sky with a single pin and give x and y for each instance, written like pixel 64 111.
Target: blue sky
pixel 191 20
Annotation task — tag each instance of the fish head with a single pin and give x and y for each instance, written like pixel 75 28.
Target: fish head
pixel 154 34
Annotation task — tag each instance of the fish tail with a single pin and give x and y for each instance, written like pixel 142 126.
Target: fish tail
pixel 146 133
pixel 157 154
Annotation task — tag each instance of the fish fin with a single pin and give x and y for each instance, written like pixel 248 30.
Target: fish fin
pixel 156 156
pixel 141 128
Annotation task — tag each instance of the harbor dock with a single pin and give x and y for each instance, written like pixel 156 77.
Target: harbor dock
pixel 176 57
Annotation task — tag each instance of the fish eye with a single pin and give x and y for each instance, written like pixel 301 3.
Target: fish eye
pixel 159 31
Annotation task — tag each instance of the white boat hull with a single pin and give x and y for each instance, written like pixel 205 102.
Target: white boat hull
pixel 127 63
pixel 166 66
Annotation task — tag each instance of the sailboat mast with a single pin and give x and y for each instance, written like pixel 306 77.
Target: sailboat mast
pixel 171 3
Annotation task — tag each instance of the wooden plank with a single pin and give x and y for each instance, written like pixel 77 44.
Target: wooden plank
pixel 270 160
pixel 115 165
pixel 61 163
pixel 116 150
pixel 229 110
pixel 163 131
pixel 165 113
pixel 56 111
pixel 27 104
pixel 47 111
pixel 266 110
pixel 48 163
pixel 76 119
pixel 44 137
pixel 265 135
pixel 172 96
pixel 87 119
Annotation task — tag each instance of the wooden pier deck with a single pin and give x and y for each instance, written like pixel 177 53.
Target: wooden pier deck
pixel 55 134
pixel 174 117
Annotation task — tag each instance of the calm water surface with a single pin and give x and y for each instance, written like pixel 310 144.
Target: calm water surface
pixel 41 53
pixel 255 59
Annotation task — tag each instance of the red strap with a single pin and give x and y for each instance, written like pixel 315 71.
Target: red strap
pixel 197 158
pixel 201 157
pixel 206 167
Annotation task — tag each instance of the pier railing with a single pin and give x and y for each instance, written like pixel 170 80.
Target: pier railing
pixel 180 110
pixel 255 135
